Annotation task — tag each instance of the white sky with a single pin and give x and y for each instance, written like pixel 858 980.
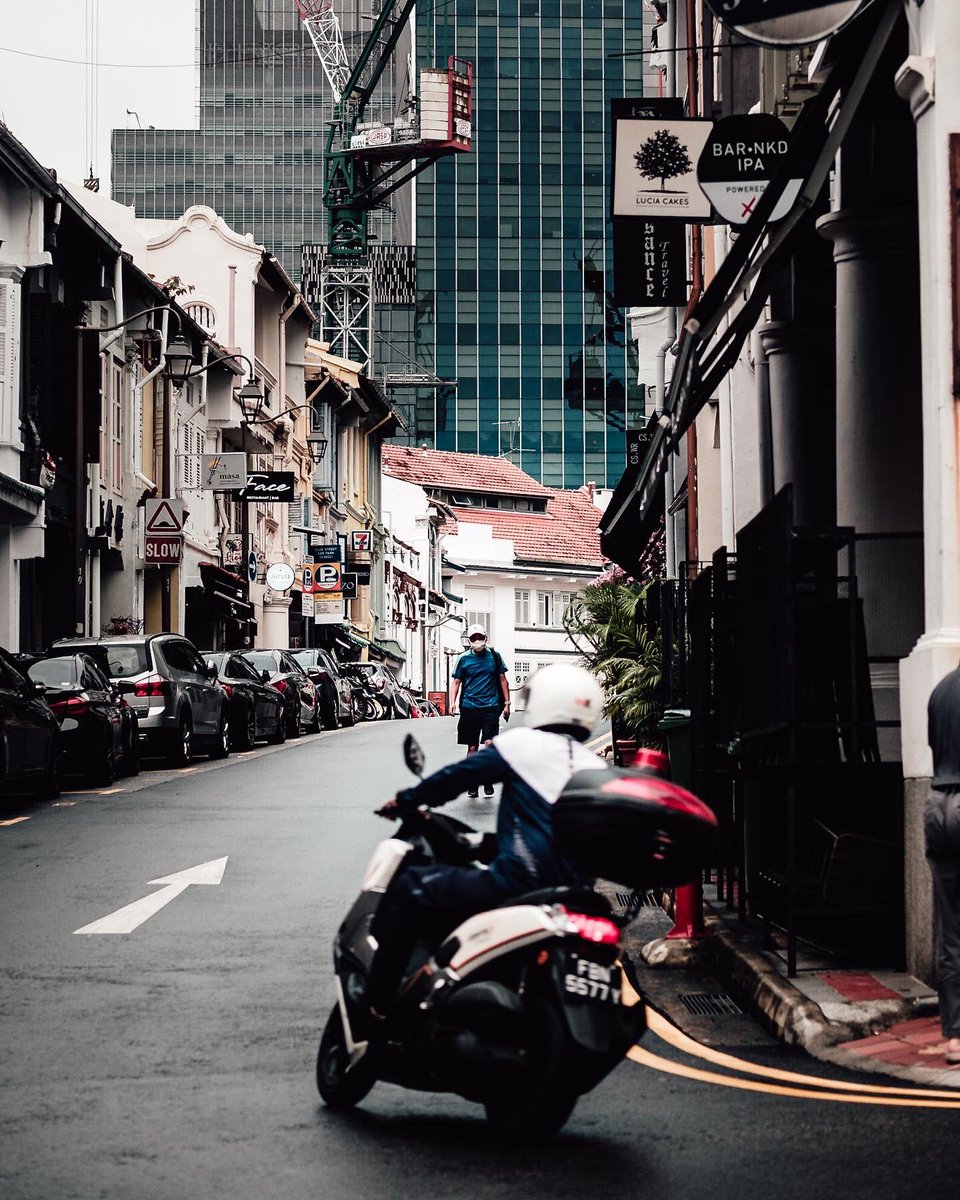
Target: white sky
pixel 50 105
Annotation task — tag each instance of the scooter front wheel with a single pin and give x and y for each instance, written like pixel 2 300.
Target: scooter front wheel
pixel 340 1085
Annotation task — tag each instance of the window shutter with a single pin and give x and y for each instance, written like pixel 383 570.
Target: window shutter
pixel 295 517
pixel 9 374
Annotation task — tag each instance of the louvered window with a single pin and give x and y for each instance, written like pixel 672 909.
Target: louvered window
pixel 295 517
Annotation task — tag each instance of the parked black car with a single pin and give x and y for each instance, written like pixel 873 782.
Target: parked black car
pixel 179 703
pixel 336 691
pixel 294 684
pixel 30 745
pixel 256 708
pixel 99 730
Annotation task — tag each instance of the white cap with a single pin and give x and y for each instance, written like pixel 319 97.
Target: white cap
pixel 476 631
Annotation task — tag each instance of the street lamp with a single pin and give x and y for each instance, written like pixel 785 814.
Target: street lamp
pixel 317 447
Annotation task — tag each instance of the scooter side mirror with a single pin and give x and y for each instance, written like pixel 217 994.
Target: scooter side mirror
pixel 413 754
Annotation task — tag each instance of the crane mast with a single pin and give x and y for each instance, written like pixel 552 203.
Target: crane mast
pixel 366 161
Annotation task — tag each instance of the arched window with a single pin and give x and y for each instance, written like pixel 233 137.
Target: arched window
pixel 203 313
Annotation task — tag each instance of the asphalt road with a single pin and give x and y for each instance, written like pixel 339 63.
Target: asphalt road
pixel 177 1059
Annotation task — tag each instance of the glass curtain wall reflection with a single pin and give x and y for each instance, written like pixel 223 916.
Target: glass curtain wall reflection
pixel 514 265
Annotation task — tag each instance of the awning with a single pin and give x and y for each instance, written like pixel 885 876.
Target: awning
pixel 390 648
pixel 451 596
pixel 20 502
pixel 713 335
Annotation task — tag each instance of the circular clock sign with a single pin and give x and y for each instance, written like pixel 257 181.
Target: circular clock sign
pixel 280 576
pixel 785 22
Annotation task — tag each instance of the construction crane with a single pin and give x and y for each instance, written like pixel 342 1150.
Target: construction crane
pixel 368 160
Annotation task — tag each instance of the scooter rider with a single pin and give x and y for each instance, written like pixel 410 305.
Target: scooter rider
pixel 534 764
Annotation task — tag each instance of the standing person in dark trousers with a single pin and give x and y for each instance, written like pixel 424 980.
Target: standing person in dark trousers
pixel 941 827
pixel 480 683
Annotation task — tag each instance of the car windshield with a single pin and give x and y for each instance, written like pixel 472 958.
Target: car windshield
pixel 55 672
pixel 263 660
pixel 118 659
pixel 304 657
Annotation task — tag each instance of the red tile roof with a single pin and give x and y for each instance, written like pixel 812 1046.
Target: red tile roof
pixel 566 533
pixel 477 473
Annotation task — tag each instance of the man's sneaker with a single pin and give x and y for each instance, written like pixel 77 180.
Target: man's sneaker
pixel 488 789
pixel 473 794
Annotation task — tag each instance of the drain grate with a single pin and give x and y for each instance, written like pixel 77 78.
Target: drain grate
pixel 631 899
pixel 710 1004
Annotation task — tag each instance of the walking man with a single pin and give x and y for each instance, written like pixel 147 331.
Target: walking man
pixel 480 684
pixel 941 827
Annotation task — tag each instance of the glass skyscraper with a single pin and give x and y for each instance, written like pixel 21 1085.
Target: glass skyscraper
pixel 514 257
pixel 263 105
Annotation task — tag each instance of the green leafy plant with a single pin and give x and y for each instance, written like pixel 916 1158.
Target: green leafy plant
pixel 607 624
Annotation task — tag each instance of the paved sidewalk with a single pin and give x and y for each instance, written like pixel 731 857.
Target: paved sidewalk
pixel 879 1021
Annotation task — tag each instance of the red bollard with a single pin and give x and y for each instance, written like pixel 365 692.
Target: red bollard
pixel 688 897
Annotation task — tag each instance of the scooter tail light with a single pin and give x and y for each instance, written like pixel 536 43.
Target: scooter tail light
pixel 280 685
pixel 228 688
pixel 593 929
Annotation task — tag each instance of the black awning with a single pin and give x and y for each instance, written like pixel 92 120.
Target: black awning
pixel 713 335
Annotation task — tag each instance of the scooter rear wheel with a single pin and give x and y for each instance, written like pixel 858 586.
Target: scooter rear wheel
pixel 537 1113
pixel 339 1087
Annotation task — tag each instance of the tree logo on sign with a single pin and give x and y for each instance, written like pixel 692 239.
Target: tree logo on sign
pixel 663 157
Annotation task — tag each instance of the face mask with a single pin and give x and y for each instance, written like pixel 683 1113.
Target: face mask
pixel 478 645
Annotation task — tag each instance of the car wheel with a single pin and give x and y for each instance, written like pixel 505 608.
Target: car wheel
pixel 247 733
pixel 104 773
pixel 182 749
pixel 221 748
pixel 279 735
pixel 131 760
pixel 295 722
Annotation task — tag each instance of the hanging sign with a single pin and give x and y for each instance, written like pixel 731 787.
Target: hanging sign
pixel 280 576
pixel 741 156
pixel 655 168
pixel 224 472
pixel 163 549
pixel 324 552
pixel 361 541
pixel 327 610
pixel 269 487
pixel 649 263
pixel 785 22
pixel 163 515
pixel 327 577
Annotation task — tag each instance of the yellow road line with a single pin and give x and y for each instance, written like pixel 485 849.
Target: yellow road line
pixel 654 1062
pixel 14 820
pixel 668 1032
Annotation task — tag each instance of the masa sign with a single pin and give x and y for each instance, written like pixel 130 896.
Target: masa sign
pixel 785 22
pixel 740 157
pixel 224 472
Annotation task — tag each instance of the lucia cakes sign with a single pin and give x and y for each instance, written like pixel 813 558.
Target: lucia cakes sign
pixel 654 168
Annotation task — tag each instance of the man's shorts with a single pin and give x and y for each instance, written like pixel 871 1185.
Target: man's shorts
pixel 477 725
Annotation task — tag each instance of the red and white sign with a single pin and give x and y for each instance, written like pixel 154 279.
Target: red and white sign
pixel 361 541
pixel 163 516
pixel 326 577
pixel 163 549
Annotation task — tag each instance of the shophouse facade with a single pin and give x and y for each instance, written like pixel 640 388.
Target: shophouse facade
pixel 810 422
pixel 494 548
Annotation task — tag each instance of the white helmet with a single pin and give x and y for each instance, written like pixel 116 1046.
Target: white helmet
pixel 563 695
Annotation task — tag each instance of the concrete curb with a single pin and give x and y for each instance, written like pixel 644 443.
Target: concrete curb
pixel 785 1011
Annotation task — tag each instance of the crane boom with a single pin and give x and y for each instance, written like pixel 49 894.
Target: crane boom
pixel 320 20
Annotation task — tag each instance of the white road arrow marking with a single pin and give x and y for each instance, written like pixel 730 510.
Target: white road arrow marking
pixel 129 918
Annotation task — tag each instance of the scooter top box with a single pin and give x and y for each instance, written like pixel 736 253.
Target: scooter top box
pixel 633 828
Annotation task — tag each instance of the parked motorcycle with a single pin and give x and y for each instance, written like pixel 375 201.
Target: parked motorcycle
pixel 519 1009
pixel 368 704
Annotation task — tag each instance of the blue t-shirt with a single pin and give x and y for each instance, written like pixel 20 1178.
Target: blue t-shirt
pixel 479 676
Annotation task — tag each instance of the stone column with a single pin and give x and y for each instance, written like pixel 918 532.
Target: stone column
pixel 931 71
pixel 800 362
pixel 275 634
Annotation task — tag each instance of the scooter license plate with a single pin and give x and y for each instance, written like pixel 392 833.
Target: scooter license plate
pixel 591 982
